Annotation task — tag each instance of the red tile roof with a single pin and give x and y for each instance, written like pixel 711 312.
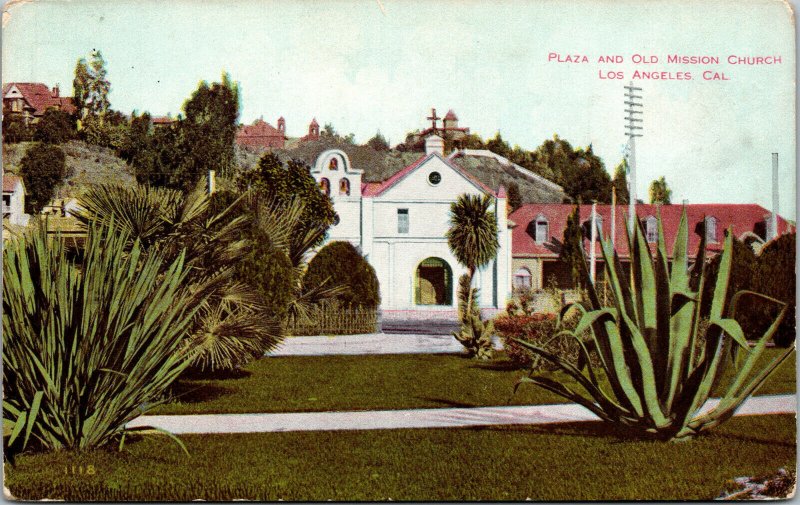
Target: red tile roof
pixel 163 120
pixel 40 97
pixel 742 217
pixel 451 115
pixel 260 134
pixel 377 188
pixel 10 183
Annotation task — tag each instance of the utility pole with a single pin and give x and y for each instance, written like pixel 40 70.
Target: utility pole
pixel 632 102
pixel 774 217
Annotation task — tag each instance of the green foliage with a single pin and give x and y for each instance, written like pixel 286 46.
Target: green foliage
pixel 572 252
pixel 55 127
pixel 774 277
pixel 620 182
pixel 514 198
pixel 378 142
pixel 534 328
pixel 766 274
pixel 15 130
pixel 340 264
pixel 91 87
pixel 43 169
pixel 474 333
pixel 660 192
pixel 472 236
pixel 88 344
pixel 281 184
pixel 646 343
pixel 209 130
pixel 231 326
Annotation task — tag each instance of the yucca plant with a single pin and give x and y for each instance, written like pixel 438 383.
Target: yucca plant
pixel 657 378
pixel 473 333
pixel 88 344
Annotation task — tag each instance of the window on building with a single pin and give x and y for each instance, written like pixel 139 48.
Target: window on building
pixel 325 186
pixel 711 230
pixel 651 228
pixel 542 229
pixel 402 220
pixel 344 186
pixel 334 164
pixel 522 278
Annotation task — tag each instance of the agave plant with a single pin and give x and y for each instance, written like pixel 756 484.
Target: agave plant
pixel 474 333
pixel 658 379
pixel 230 326
pixel 88 343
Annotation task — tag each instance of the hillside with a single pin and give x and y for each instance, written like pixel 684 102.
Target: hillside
pixel 380 165
pixel 86 165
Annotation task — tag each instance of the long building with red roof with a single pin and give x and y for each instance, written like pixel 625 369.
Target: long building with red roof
pixel 538 232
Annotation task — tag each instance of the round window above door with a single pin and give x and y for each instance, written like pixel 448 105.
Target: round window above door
pixel 434 178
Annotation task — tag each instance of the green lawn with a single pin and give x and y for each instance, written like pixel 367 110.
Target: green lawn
pixel 580 461
pixel 329 383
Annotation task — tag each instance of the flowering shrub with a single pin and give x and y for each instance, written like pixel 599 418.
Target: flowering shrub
pixel 535 328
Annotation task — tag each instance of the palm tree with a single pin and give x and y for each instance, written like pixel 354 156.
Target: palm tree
pixel 230 326
pixel 472 236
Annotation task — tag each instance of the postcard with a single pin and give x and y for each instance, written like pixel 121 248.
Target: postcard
pixel 364 250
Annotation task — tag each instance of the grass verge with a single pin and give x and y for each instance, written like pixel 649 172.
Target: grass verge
pixel 580 461
pixel 402 381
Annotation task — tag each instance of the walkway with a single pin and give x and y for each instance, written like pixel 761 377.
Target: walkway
pixel 418 418
pixel 372 343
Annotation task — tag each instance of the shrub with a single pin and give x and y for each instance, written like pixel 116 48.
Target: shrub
pixel 43 168
pixel 88 345
pixel 55 127
pixel 15 130
pixel 657 384
pixel 535 328
pixel 340 264
pixel 774 276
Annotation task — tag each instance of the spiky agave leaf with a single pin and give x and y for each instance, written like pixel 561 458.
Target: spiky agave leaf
pixel 645 343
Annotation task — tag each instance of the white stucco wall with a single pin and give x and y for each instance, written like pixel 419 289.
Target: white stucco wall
pixel 372 223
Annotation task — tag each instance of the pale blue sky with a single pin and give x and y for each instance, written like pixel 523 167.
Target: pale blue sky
pixel 349 63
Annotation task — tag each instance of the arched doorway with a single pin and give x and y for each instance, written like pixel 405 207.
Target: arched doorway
pixel 433 283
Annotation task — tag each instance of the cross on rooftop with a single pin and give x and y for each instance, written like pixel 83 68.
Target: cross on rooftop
pixel 433 118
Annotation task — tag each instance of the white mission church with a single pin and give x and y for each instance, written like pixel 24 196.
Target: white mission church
pixel 399 226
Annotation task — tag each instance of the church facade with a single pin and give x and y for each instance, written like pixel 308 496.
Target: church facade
pixel 400 224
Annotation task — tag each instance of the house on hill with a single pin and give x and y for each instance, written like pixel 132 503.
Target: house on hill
pixel 262 135
pixel 30 100
pixel 539 230
pixel 399 225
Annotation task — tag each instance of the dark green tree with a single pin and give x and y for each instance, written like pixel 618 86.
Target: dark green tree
pixel 15 130
pixel 620 182
pixel 499 146
pixel 208 132
pixel 55 127
pixel 660 192
pixel 340 264
pixel 276 182
pixel 572 252
pixel 91 87
pixel 774 276
pixel 43 169
pixel 514 197
pixel 378 142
